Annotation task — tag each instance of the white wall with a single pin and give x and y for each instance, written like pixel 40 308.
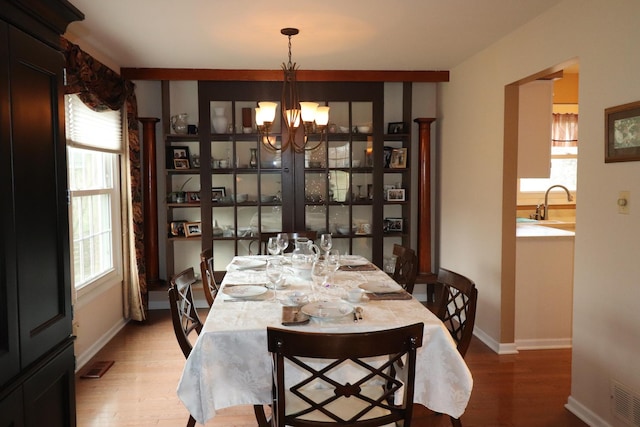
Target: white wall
pixel 604 36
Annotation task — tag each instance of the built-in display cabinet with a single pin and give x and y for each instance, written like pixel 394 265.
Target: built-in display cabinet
pixel 225 184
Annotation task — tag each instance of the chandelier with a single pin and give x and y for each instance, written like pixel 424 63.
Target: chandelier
pixel 314 117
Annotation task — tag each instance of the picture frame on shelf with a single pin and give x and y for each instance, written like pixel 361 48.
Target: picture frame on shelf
pixel 218 193
pixel 622 133
pixel 396 195
pixel 193 197
pixel 176 228
pixel 177 153
pixel 193 229
pixel 398 158
pixel 396 127
pixel 181 164
pixel 393 225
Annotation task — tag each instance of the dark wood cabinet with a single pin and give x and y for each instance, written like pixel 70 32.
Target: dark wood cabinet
pixel 36 343
pixel 339 187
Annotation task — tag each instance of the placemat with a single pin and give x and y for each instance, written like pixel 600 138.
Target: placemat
pixel 403 295
pixel 366 267
pixel 293 316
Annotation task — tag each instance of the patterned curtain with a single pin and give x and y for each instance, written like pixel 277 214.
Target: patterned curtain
pixel 100 88
pixel 564 130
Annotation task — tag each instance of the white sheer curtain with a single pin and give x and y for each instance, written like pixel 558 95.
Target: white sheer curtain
pixel 564 130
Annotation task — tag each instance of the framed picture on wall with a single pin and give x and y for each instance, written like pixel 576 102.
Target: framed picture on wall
pixel 622 133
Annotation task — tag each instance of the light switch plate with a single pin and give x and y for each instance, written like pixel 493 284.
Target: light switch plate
pixel 623 202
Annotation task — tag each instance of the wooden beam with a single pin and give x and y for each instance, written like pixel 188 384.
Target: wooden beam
pixel 276 75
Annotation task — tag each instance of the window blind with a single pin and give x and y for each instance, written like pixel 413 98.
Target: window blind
pixel 91 129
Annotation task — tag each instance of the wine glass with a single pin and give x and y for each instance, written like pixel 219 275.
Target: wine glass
pixel 283 241
pixel 272 245
pixel 275 273
pixel 326 243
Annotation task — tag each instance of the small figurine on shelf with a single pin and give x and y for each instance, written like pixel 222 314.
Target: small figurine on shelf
pixel 253 162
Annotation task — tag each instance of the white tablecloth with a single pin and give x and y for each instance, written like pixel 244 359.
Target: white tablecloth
pixel 230 365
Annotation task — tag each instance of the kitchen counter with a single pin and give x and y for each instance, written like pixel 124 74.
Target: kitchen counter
pixel 537 230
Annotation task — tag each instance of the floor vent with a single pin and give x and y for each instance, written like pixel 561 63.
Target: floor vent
pixel 625 404
pixel 97 369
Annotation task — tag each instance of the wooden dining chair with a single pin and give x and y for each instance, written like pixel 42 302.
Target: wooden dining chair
pixel 264 238
pixel 184 316
pixel 457 310
pixel 209 285
pixel 185 319
pixel 406 268
pixel 315 396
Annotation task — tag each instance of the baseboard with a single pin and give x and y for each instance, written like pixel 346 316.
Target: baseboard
pixel 585 414
pixel 85 357
pixel 544 344
pixel 500 348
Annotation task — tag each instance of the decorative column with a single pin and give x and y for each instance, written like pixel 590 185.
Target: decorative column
pixel 425 275
pixel 150 199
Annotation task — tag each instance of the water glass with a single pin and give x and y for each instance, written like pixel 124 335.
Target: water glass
pixel 319 277
pixel 275 274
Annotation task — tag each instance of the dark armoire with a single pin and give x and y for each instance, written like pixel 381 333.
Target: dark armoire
pixel 36 342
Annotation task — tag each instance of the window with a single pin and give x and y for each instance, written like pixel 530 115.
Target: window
pixel 564 157
pixel 94 141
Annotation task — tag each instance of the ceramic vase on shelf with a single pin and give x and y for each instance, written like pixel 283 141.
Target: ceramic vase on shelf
pixel 219 120
pixel 179 123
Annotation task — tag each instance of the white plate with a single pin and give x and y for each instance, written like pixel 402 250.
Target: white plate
pixel 353 261
pixel 381 287
pixel 246 263
pixel 327 309
pixel 244 291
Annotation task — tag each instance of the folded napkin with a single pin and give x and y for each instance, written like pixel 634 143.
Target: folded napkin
pixel 401 295
pixel 292 316
pixel 366 267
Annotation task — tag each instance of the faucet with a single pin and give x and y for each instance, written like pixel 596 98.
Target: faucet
pixel 545 212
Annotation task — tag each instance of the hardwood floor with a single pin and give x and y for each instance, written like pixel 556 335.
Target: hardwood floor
pixel 524 390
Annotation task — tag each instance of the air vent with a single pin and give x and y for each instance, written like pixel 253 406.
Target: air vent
pixel 625 404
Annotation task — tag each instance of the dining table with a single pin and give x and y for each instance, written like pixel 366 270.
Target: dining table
pixel 230 364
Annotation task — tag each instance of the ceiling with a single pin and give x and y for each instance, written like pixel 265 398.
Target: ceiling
pixel 334 34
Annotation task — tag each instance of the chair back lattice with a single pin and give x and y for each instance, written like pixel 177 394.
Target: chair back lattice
pixel 209 284
pixel 184 316
pixel 406 268
pixel 457 308
pixel 332 380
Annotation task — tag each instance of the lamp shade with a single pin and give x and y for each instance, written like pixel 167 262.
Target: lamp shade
pixel 308 111
pixel 322 116
pixel 267 111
